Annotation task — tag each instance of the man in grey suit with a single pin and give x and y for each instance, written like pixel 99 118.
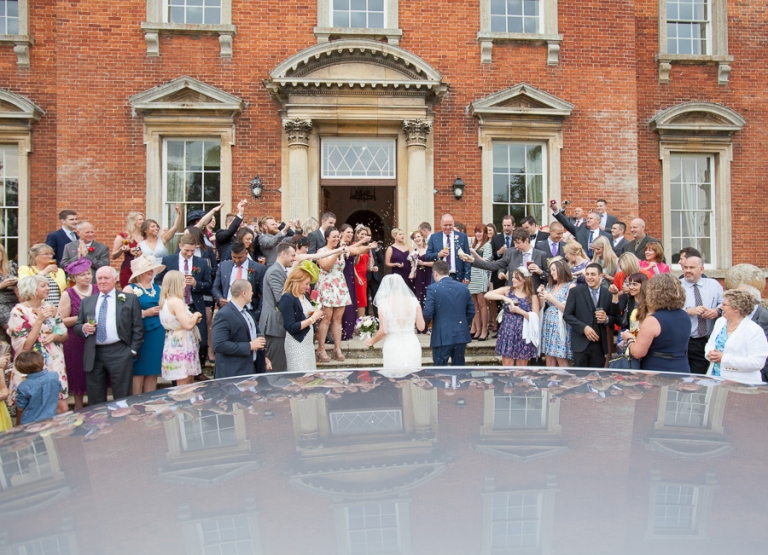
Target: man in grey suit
pixel 606 220
pixel 317 237
pixel 86 247
pixel 521 255
pixel 553 245
pixel 273 234
pixel 760 316
pixel 585 234
pixel 271 322
pixel 618 242
pixel 111 344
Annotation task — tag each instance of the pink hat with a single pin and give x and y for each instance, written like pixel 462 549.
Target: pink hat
pixel 78 266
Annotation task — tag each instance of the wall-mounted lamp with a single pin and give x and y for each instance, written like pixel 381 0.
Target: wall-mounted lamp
pixel 458 188
pixel 461 402
pixel 257 188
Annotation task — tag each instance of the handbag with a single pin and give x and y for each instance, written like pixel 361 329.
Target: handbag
pixel 624 362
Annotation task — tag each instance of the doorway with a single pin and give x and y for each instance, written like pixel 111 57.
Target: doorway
pixel 372 206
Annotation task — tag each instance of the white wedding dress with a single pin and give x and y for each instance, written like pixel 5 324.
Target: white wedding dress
pixel 398 308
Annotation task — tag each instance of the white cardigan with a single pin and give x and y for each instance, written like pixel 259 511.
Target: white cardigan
pixel 744 354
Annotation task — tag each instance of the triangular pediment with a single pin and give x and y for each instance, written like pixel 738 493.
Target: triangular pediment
pixel 209 475
pixel 355 64
pixel 14 106
pixel 522 453
pixel 188 95
pixel 697 117
pixel 520 101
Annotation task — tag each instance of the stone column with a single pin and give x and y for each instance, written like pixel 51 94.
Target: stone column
pixel 306 410
pixel 421 401
pixel 416 132
pixel 298 131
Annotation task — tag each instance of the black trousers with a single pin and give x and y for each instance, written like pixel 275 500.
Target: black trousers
pixel 115 361
pixel 696 360
pixel 591 357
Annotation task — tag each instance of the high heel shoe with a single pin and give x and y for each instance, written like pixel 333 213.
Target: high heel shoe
pixel 338 355
pixel 481 338
pixel 322 356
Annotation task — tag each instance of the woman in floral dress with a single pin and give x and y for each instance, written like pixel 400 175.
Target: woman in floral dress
pixel 334 296
pixel 180 360
pixel 519 304
pixel 35 326
pixel 555 333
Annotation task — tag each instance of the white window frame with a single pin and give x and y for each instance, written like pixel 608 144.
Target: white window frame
pixel 537 519
pixel 391 144
pixel 701 508
pixel 717 45
pixel 167 6
pixel 21 41
pixel 707 405
pixel 157 24
pixel 542 411
pixel 547 32
pixel 325 31
pixel 11 149
pixel 709 39
pixel 189 428
pixel 544 194
pixel 349 531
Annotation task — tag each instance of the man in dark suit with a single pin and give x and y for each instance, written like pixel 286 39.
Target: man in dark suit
pixel 578 217
pixel 553 245
pixel 375 277
pixel 606 220
pixel 238 345
pixel 585 234
pixel 271 320
pixel 500 243
pixel 639 238
pixel 618 242
pixel 239 267
pixel 60 238
pixel 113 342
pixel 760 316
pixel 586 311
pixel 226 235
pixel 521 255
pixel 450 305
pixel 317 237
pixel 197 274
pixel 446 246
pixel 529 224
pixel 86 247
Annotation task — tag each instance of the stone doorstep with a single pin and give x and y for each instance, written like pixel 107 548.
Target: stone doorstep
pixel 378 363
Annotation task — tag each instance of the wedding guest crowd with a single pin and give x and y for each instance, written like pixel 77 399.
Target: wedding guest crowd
pixel 269 295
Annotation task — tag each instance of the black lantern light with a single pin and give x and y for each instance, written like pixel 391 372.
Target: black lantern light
pixel 256 187
pixel 458 188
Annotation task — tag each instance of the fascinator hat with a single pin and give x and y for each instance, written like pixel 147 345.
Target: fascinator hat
pixel 523 271
pixel 311 268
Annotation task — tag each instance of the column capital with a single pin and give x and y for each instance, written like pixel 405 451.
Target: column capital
pixel 416 131
pixel 298 131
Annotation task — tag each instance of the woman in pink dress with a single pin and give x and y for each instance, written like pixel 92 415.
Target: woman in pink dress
pixel 654 259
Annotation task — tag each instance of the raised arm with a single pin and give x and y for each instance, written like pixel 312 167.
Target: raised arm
pixel 168 235
pixel 207 218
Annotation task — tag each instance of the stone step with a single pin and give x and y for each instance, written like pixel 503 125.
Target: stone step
pixel 357 349
pixel 425 361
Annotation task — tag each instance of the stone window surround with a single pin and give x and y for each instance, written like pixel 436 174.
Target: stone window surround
pixel 719 45
pixel 156 24
pixel 23 40
pixel 548 36
pixel 325 31
pixel 705 493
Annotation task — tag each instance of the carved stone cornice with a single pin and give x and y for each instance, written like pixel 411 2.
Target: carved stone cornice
pixel 416 132
pixel 298 131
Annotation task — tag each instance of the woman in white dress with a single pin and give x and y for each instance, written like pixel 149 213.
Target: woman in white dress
pixel 298 317
pixel 154 243
pixel 399 315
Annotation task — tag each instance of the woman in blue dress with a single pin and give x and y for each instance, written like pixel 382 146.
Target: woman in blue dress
pixel 146 368
pixel 520 304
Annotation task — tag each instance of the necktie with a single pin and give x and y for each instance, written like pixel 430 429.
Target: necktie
pixel 700 322
pixel 101 323
pixel 554 249
pixel 508 241
pixel 578 223
pixel 595 294
pixel 71 235
pixel 239 274
pixel 188 288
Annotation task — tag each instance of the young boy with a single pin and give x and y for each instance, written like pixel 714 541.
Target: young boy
pixel 38 395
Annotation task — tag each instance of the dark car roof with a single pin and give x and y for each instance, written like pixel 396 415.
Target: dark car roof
pixel 444 461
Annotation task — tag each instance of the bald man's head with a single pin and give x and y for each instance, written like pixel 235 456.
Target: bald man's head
pixel 637 228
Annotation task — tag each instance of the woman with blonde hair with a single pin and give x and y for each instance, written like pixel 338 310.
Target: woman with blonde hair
pixel 422 272
pixel 180 360
pixel 478 283
pixel 298 317
pixel 603 254
pixel 628 265
pixel 398 257
pixel 577 259
pixel 42 263
pixel 127 244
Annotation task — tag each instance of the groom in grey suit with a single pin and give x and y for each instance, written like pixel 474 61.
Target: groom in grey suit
pixel 271 321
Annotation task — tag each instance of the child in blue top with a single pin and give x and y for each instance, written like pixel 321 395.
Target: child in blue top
pixel 38 395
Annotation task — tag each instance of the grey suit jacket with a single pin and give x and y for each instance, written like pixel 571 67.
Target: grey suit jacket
pixel 512 260
pixel 99 257
pixel 271 321
pixel 620 247
pixel 609 221
pixel 316 241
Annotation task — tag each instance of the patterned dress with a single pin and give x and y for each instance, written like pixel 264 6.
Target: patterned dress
pixel 580 279
pixel 510 342
pixel 479 278
pixel 552 343
pixel 300 356
pixel 180 352
pixel 333 286
pixel 21 321
pixel 74 347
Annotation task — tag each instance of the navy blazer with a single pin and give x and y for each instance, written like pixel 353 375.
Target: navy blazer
pixel 232 344
pixel 225 238
pixel 201 288
pixel 435 245
pixel 450 304
pixel 254 274
pixel 57 241
pixel 293 314
pixel 581 233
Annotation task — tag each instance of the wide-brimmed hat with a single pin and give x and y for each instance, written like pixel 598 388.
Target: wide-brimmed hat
pixel 195 216
pixel 311 268
pixel 144 264
pixel 78 266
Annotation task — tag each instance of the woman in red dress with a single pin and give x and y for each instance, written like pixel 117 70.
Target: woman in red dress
pixel 127 243
pixel 361 271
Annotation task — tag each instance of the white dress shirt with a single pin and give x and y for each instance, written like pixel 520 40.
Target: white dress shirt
pixel 70 234
pixel 451 248
pixel 604 219
pixel 232 277
pixel 711 297
pixel 112 336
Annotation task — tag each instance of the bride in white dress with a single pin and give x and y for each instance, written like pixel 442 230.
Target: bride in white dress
pixel 399 314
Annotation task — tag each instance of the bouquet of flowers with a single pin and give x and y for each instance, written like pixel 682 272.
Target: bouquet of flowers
pixel 314 299
pixel 414 258
pixel 366 326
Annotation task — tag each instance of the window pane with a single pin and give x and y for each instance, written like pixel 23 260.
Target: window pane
pixel 194 187
pixel 340 4
pixel 195 16
pixel 341 19
pixel 516 159
pixel 514 24
pixel 357 20
pixel 352 158
pixel 531 7
pixel 358 5
pixel 176 15
pixel 515 7
pixel 194 156
pixel 376 5
pixel 12 7
pixel 500 188
pixel 517 189
pixel 519 167
pixel 212 16
pixel 376 20
pixel 175 155
pixel 498 7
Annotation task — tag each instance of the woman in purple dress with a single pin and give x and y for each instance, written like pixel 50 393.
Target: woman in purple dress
pixel 398 257
pixel 350 312
pixel 520 304
pixel 69 306
pixel 422 274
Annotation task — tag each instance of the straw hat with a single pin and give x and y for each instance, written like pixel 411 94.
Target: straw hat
pixel 144 264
